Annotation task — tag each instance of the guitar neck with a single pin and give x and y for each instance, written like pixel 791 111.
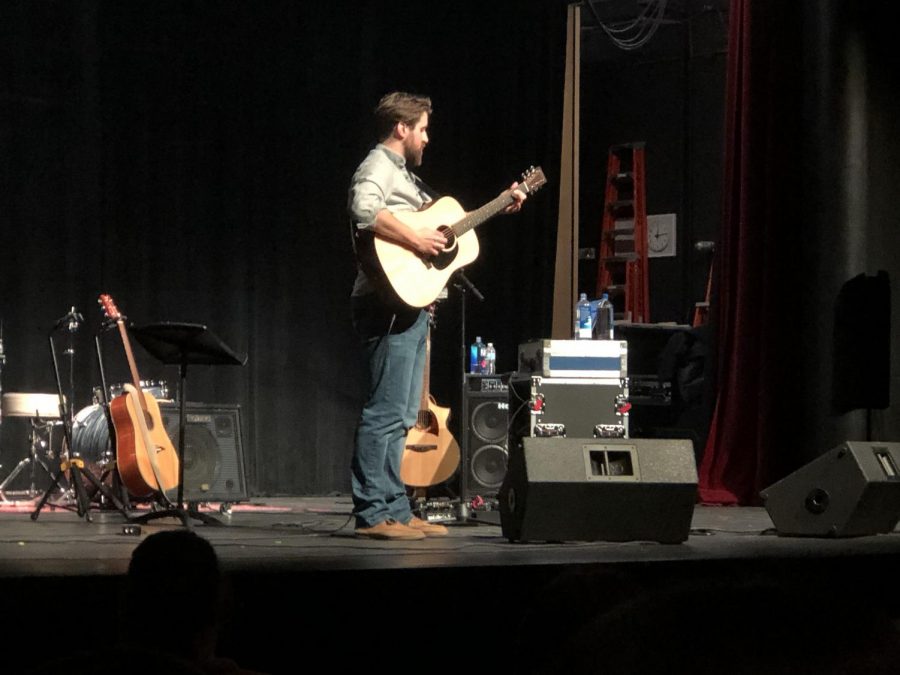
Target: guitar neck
pixel 483 213
pixel 132 366
pixel 426 377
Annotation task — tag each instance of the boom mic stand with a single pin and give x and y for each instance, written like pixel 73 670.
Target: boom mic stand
pixel 464 286
pixel 72 463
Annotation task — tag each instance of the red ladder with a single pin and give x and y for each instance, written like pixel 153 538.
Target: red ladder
pixel 622 269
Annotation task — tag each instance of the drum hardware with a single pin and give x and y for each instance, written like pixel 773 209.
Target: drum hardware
pixel 40 453
pixel 72 464
pixel 158 388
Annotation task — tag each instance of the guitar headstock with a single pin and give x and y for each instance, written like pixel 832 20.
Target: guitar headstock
pixel 532 180
pixel 110 311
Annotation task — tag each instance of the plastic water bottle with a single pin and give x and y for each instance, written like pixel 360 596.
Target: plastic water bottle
pixel 490 359
pixel 475 352
pixel 603 328
pixel 583 318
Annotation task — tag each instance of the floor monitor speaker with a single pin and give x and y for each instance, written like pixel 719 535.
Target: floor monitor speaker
pixel 852 490
pixel 587 489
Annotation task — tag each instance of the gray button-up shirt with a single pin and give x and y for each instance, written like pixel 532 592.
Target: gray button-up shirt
pixel 381 181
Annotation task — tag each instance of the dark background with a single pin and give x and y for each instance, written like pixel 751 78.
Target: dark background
pixel 192 159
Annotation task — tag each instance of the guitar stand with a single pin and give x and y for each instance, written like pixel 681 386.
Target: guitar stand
pixel 72 464
pixel 181 344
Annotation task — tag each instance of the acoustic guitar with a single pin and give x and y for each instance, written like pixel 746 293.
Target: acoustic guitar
pixel 404 276
pixel 431 454
pixel 145 457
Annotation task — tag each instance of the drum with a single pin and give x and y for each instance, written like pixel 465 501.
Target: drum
pixel 45 406
pixel 90 438
pixel 159 389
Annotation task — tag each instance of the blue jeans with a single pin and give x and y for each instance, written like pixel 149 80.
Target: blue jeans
pixel 396 368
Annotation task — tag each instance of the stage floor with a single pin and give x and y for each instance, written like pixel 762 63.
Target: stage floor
pixel 316 533
pixel 304 590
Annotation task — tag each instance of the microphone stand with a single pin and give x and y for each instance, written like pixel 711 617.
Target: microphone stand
pixel 464 286
pixel 71 322
pixel 118 488
pixel 72 463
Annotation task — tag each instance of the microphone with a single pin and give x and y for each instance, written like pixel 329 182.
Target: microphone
pixel 71 321
pixel 468 284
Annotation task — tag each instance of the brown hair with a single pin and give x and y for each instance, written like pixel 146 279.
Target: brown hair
pixel 398 106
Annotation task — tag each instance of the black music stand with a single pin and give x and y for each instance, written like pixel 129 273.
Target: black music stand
pixel 182 344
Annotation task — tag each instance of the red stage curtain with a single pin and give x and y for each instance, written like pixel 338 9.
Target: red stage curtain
pixel 742 431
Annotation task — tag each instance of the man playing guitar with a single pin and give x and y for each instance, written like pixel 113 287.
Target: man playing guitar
pixel 394 334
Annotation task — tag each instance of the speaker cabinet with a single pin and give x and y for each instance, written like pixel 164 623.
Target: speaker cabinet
pixel 486 422
pixel 852 490
pixel 586 489
pixel 213 451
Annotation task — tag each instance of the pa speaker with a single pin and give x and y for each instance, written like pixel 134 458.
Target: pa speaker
pixel 586 489
pixel 485 430
pixel 213 451
pixel 852 490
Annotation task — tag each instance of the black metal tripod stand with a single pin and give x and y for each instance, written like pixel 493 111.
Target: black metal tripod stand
pixel 72 464
pixel 182 344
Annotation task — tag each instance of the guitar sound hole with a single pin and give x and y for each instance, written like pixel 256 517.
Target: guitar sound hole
pixel 425 420
pixel 451 237
pixel 448 255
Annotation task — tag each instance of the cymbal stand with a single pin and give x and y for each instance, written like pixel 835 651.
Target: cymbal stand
pixel 71 462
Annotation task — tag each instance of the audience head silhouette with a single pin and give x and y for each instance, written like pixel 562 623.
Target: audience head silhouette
pixel 173 587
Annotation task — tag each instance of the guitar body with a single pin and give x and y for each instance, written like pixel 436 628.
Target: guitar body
pixel 141 442
pixel 415 280
pixel 431 454
pixel 402 276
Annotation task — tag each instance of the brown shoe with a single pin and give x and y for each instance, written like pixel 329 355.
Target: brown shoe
pixel 389 529
pixel 428 529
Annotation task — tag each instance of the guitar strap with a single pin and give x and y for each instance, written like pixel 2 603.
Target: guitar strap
pixel 424 187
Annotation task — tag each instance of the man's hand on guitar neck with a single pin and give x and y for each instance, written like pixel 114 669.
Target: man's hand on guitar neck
pixel 519 198
pixel 425 240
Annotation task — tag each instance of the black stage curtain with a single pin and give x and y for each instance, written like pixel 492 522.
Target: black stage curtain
pixel 192 158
